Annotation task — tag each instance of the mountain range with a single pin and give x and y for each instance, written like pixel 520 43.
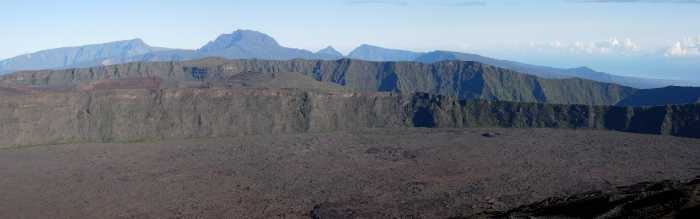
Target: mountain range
pixel 249 44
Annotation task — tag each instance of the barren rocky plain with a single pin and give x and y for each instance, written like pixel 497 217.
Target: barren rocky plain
pixel 367 173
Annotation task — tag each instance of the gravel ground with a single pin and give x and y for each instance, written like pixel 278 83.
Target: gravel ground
pixel 377 173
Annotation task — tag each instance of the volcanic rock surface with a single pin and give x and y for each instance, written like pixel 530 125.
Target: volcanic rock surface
pixel 370 173
pixel 664 199
pixel 331 139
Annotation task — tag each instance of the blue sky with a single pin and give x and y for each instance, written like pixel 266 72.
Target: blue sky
pixel 503 28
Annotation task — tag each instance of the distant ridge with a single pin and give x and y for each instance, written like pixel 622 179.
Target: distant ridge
pixel 81 56
pixel 249 44
pixel 375 53
pixel 461 79
pixel 663 96
pixel 548 72
pixel 240 44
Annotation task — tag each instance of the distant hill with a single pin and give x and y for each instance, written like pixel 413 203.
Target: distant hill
pixel 330 52
pixel 663 96
pixel 375 53
pixel 89 55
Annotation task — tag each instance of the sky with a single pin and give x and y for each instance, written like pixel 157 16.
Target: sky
pixel 524 30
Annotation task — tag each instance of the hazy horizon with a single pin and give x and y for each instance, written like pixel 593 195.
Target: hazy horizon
pixel 561 33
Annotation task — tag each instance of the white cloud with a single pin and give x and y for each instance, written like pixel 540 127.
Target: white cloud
pixel 612 46
pixel 687 47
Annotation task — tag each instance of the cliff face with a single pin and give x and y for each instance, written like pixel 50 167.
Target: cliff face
pixel 678 120
pixel 136 115
pixel 663 96
pixel 142 115
pixel 465 80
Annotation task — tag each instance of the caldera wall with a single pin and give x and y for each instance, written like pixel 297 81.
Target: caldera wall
pixel 144 115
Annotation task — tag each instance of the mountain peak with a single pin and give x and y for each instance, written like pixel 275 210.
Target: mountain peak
pixel 329 48
pixel 330 51
pixel 135 40
pixel 134 43
pixel 238 38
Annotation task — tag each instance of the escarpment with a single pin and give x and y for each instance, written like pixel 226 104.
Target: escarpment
pixel 126 115
pixel 464 80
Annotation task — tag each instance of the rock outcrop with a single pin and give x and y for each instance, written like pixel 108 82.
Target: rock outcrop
pixel 124 115
pixel 665 199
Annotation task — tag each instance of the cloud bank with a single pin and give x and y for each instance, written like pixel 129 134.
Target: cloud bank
pixel 687 47
pixel 612 46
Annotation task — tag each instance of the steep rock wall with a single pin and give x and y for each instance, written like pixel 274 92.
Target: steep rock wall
pixel 142 115
pixel 465 80
pixel 137 115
